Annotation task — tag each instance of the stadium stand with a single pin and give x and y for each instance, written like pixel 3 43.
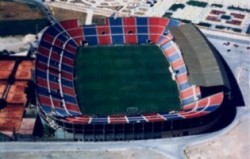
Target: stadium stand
pixel 55 66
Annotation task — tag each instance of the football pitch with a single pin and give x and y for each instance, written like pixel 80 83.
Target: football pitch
pixel 124 80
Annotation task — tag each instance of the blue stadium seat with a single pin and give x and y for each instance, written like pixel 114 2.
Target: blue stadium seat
pixel 162 38
pixel 53 78
pixel 142 39
pixel 171 116
pixel 92 40
pixel 63 37
pixel 46 109
pixel 184 86
pixel 117 39
pixel 42 90
pixel 174 57
pixel 142 30
pixel 57 49
pixel 72 42
pixel 55 95
pixel 115 21
pixel 45 44
pixel 210 108
pixel 187 100
pixel 52 31
pixel 181 70
pixel 69 55
pixel 165 46
pixel 54 63
pixel 173 23
pixel 67 68
pixel 69 99
pixel 141 21
pixel 135 119
pixel 61 112
pixel 99 120
pixel 89 30
pixel 41 74
pixel 58 27
pixel 74 113
pixel 67 83
pixel 42 58
pixel 116 30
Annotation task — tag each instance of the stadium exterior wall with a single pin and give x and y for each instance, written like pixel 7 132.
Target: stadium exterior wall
pixel 136 131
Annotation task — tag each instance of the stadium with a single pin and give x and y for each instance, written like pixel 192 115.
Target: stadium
pixel 129 78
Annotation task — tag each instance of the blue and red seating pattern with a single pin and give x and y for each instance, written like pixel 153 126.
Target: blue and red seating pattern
pixel 55 67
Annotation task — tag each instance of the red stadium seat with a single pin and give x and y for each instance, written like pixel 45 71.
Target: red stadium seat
pixel 153 117
pixel 129 21
pixel 104 37
pixel 69 24
pixel 130 34
pixel 117 119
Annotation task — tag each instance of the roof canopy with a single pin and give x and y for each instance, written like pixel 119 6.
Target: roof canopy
pixel 202 65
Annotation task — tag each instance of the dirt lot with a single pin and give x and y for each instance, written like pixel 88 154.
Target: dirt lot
pixel 18 11
pixel 232 145
pixel 64 14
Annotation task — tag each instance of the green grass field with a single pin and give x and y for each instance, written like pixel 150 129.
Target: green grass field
pixel 124 79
